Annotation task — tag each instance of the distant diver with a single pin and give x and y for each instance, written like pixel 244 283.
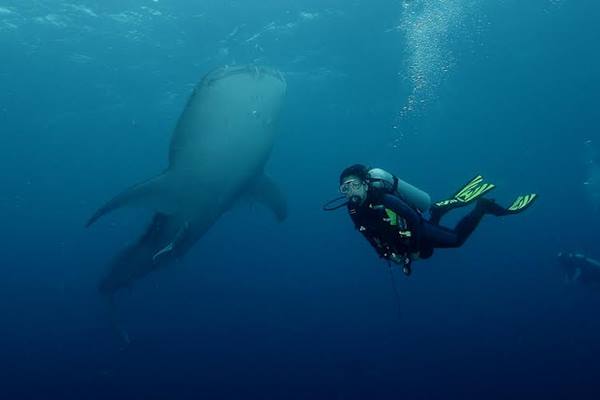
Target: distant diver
pixel 389 213
pixel 580 269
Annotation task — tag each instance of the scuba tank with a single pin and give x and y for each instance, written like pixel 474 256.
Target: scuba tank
pixel 380 179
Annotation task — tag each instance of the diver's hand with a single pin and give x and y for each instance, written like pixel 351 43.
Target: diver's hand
pixel 399 259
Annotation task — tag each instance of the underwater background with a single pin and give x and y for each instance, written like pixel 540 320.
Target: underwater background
pixel 435 91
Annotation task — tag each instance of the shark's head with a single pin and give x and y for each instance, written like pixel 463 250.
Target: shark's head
pixel 258 90
pixel 230 120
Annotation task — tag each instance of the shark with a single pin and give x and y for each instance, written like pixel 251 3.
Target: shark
pixel 217 156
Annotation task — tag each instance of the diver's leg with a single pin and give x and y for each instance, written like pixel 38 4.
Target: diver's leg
pixel 440 237
pixel 471 191
pixel 435 236
pixel 468 224
pixel 436 214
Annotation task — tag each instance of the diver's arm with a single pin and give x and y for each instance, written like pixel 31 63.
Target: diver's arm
pixel 583 260
pixel 397 205
pixel 592 262
pixel 411 216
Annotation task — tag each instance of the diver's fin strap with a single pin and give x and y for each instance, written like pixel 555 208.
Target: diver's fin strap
pixel 522 202
pixel 446 203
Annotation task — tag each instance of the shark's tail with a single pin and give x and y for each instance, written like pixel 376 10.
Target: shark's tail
pixel 115 322
pixel 134 262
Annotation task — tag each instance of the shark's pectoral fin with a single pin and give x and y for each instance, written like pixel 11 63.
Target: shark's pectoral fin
pixel 172 244
pixel 268 193
pixel 152 193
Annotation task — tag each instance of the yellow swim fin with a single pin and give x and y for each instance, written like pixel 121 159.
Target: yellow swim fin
pixel 470 192
pixel 521 203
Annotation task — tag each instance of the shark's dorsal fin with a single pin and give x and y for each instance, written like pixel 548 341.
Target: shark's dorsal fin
pixel 268 193
pixel 152 193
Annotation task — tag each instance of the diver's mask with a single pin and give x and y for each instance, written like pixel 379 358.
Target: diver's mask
pixel 355 191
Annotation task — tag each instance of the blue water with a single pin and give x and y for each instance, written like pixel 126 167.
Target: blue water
pixel 435 91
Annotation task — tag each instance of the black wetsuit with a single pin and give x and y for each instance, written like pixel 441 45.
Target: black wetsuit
pixel 413 234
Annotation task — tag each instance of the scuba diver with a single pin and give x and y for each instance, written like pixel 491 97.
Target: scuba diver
pixel 580 269
pixel 390 213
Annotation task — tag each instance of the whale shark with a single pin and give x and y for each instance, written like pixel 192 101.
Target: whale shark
pixel 218 152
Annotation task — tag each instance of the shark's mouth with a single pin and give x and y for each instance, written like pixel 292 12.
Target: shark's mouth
pixel 229 71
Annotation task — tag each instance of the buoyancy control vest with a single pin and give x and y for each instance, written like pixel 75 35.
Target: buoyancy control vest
pixel 386 231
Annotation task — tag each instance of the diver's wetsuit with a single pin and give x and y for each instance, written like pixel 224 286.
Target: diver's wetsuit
pixel 418 236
